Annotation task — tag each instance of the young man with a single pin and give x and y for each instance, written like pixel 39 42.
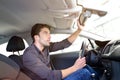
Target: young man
pixel 36 57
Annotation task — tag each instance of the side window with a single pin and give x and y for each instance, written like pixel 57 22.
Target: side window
pixel 74 47
pixel 4 52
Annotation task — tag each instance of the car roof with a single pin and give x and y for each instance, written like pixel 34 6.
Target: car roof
pixel 18 16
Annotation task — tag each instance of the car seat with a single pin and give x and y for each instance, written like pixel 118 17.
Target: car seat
pixel 9 70
pixel 16 44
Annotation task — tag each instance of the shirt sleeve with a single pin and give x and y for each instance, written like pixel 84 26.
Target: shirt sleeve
pixel 33 63
pixel 59 45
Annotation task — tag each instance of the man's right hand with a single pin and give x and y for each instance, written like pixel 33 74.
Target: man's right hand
pixel 79 63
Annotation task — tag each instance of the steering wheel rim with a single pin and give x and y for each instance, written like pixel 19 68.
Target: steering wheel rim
pixel 83 48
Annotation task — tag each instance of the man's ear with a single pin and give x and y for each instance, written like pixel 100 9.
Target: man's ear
pixel 36 37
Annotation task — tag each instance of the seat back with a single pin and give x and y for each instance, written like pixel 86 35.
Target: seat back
pixel 7 71
pixel 17 59
pixel 15 44
pixel 8 68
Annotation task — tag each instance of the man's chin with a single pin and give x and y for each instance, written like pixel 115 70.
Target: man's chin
pixel 47 45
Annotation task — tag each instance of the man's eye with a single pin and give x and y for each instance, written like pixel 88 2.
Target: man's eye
pixel 45 32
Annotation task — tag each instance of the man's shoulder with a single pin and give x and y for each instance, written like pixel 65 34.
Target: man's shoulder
pixel 29 49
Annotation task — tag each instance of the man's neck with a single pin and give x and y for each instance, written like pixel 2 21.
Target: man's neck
pixel 39 46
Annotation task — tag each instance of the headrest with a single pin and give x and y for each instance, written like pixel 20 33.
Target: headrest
pixel 101 44
pixel 15 43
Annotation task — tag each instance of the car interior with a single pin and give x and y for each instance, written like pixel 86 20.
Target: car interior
pixel 99 41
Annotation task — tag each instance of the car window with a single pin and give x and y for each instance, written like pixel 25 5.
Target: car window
pixel 107 25
pixel 74 47
pixel 54 38
pixel 4 52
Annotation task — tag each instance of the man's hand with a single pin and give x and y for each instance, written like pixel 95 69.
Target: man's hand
pixel 80 63
pixel 80 27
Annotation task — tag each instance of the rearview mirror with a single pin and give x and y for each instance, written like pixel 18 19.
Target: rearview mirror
pixel 83 17
pixel 87 12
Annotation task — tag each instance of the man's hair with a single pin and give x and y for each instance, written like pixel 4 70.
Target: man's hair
pixel 37 28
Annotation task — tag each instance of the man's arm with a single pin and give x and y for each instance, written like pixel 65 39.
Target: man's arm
pixel 73 36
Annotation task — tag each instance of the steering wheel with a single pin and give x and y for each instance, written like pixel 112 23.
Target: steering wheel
pixel 83 48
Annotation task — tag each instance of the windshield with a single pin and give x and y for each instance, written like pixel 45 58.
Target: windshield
pixel 106 26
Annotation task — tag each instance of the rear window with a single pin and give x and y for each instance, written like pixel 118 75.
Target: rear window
pixel 4 52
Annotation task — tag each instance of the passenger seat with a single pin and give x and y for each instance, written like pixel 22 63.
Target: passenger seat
pixel 16 44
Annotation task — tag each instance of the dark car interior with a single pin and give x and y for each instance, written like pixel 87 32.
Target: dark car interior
pixel 97 58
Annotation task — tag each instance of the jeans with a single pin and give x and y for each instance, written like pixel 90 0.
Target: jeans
pixel 82 74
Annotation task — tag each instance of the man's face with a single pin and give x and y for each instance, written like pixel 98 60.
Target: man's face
pixel 44 37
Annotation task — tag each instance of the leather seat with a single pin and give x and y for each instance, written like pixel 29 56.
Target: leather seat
pixel 9 70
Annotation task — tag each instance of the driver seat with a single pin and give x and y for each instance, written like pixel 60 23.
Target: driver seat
pixel 9 70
